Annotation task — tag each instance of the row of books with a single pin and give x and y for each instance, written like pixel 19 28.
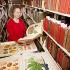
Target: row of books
pixel 53 5
pixel 58 5
pixel 61 33
pixel 35 3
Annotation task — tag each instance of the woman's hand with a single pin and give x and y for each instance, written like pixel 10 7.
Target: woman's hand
pixel 24 41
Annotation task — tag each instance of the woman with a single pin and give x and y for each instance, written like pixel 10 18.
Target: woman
pixel 15 26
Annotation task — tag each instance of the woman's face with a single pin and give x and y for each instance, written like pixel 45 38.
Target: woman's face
pixel 17 13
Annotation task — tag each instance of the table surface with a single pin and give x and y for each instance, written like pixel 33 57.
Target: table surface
pixel 52 65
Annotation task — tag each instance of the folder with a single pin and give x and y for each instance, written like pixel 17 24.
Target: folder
pixel 45 24
pixel 65 63
pixel 68 41
pixel 46 4
pixel 63 6
pixel 59 56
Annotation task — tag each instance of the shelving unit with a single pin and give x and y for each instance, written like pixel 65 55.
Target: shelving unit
pixel 65 52
pixel 46 54
pixel 63 49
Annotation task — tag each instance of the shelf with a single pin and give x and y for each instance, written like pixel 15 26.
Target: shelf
pixel 67 15
pixel 63 49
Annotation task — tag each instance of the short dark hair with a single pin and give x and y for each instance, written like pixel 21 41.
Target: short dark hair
pixel 12 9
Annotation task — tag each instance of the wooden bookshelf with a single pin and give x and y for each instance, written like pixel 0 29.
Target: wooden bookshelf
pixel 61 50
pixel 59 46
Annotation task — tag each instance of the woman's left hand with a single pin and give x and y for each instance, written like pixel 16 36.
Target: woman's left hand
pixel 24 41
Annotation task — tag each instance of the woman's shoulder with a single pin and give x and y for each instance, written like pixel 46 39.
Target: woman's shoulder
pixel 21 20
pixel 9 22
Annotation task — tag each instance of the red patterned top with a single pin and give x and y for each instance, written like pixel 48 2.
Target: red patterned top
pixel 15 30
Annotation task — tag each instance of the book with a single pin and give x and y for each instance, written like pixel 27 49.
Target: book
pixel 57 32
pixel 34 31
pixel 63 6
pixel 54 50
pixel 68 6
pixel 68 41
pixel 43 1
pixel 60 56
pixel 53 5
pixel 62 35
pixel 45 24
pixel 49 42
pixel 57 5
pixel 49 4
pixel 52 28
pixel 46 4
pixel 65 63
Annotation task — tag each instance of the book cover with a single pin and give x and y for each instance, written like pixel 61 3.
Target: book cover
pixel 49 4
pixel 62 35
pixel 48 42
pixel 52 28
pixel 63 6
pixel 68 41
pixel 57 33
pixel 68 6
pixel 49 45
pixel 45 24
pixel 59 56
pixel 46 4
pixel 54 50
pixel 43 1
pixel 65 63
pixel 57 5
pixel 53 5
pixel 40 4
